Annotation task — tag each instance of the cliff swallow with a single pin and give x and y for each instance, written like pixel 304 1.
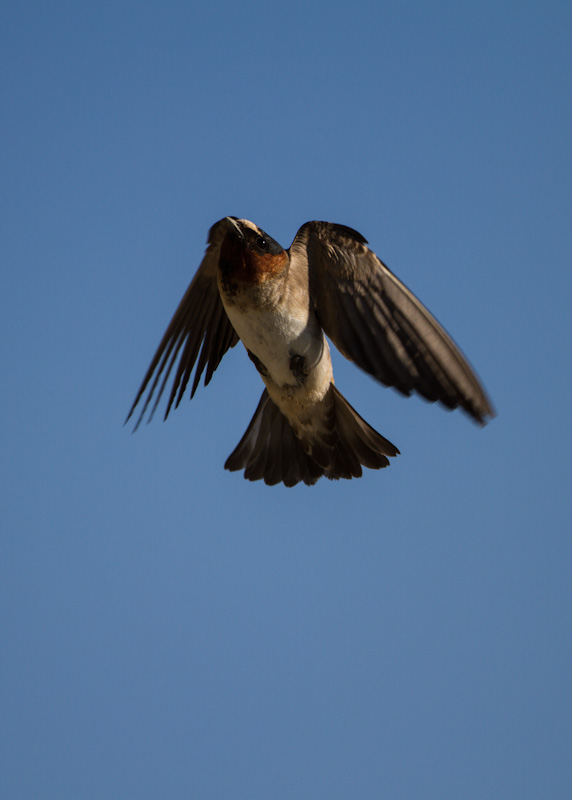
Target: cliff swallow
pixel 282 304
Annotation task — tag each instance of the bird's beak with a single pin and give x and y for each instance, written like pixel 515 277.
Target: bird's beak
pixel 233 225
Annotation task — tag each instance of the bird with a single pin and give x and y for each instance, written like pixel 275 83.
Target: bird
pixel 284 305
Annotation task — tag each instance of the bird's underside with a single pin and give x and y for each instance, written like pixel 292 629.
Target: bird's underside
pixel 282 304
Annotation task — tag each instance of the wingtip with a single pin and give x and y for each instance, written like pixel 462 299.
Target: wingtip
pixel 483 412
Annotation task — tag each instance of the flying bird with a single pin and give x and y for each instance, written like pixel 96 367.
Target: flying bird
pixel 282 304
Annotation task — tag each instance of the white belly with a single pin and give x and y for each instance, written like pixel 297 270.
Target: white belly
pixel 276 337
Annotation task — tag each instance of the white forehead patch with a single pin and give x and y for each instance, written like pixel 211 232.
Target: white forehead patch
pixel 246 223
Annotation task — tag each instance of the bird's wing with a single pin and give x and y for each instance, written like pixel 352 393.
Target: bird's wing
pixel 375 321
pixel 199 319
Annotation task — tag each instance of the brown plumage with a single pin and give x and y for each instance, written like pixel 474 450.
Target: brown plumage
pixel 281 304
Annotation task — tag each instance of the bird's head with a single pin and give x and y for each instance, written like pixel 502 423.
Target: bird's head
pixel 248 254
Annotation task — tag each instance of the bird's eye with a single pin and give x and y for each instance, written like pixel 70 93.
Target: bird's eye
pixel 262 243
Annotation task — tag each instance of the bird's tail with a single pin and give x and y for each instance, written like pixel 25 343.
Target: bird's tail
pixel 342 444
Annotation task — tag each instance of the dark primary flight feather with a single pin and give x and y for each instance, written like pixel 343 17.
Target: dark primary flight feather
pixel 375 321
pixel 200 319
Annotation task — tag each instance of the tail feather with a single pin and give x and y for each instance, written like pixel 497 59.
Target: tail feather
pixel 341 444
pixel 270 450
pixel 243 451
pixel 355 435
pixel 258 466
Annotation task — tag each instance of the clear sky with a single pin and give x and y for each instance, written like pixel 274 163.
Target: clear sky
pixel 170 630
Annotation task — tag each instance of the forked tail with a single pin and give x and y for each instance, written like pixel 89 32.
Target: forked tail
pixel 270 450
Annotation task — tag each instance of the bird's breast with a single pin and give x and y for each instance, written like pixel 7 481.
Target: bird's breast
pixel 285 337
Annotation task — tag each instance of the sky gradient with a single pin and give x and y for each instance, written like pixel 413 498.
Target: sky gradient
pixel 171 630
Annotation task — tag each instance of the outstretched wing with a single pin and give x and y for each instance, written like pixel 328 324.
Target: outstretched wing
pixel 199 319
pixel 374 320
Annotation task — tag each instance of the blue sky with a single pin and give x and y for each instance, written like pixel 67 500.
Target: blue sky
pixel 171 630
